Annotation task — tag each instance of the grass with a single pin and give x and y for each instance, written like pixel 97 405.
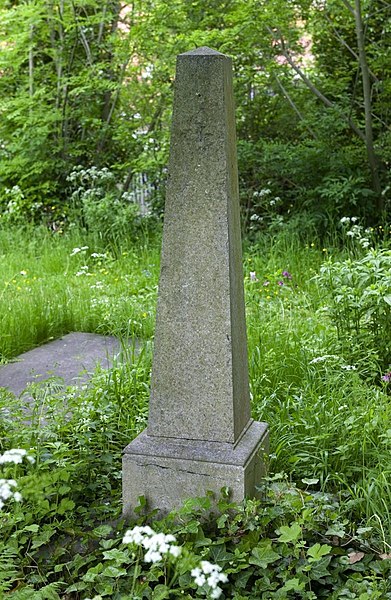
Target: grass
pixel 48 290
pixel 330 422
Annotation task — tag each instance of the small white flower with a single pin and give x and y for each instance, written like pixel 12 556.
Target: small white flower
pixel 253 276
pixel 175 551
pixel 152 556
pixel 199 577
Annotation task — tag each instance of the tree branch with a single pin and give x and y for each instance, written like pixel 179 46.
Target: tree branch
pixel 312 87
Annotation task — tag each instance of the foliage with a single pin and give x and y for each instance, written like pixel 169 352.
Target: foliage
pixel 360 307
pixel 90 83
pixel 328 536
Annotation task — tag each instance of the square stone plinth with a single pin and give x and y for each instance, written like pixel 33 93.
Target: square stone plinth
pixel 167 471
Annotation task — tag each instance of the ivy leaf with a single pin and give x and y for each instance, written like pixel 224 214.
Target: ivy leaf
pixel 293 585
pixel 160 592
pixel 317 551
pixel 262 556
pixel 289 534
pixel 112 571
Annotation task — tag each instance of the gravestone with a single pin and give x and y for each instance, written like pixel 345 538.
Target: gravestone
pixel 200 434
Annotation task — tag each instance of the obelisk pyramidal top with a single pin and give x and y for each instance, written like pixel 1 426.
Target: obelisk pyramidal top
pixel 199 417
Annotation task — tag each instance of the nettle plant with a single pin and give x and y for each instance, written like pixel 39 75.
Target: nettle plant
pixel 360 307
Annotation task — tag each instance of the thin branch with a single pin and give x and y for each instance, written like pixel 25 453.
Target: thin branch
pixel 312 87
pixel 294 107
pixel 349 6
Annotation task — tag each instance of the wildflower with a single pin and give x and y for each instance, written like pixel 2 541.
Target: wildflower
pixel 83 271
pixel 7 493
pixel 265 283
pixel 349 367
pixel 280 283
pixel 253 276
pixel 323 358
pixel 15 455
pixel 387 377
pixel 77 250
pixel 156 544
pixel 210 575
pixel 23 273
pixel 286 274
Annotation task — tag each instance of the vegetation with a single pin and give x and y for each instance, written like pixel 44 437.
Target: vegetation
pixel 89 84
pixel 318 375
pixel 86 91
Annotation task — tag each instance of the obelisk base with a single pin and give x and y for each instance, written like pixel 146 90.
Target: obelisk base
pixel 167 471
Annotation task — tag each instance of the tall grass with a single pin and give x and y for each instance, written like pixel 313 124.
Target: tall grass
pixel 327 420
pixel 51 285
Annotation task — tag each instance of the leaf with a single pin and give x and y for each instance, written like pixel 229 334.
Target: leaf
pixel 102 530
pixel 160 592
pixel 387 299
pixel 293 585
pixel 337 530
pixel 317 551
pixel 112 571
pixel 65 505
pixel 262 556
pixel 34 528
pixel 289 534
pixel 313 481
pixel 355 557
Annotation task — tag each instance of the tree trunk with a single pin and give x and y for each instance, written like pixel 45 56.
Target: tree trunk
pixel 366 84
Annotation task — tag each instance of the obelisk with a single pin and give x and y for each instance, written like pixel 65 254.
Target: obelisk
pixel 200 434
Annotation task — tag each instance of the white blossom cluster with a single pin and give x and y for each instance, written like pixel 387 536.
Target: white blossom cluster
pixel 156 544
pixel 7 493
pixel 211 575
pixel 7 486
pixel 15 455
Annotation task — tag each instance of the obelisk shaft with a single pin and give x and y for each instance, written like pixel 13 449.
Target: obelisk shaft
pixel 200 371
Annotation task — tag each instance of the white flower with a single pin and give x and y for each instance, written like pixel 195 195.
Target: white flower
pixel 199 577
pixel 323 358
pixel 152 556
pixel 214 577
pixel 77 250
pixel 156 544
pixel 253 276
pixel 15 455
pixel 175 551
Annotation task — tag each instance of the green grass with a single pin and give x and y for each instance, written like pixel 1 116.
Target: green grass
pixel 46 291
pixel 327 421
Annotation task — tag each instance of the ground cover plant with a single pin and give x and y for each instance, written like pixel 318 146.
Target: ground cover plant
pixel 318 376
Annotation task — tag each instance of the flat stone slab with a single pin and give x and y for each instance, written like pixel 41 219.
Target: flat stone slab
pixel 73 358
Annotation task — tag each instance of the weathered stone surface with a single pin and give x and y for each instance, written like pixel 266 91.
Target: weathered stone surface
pixel 71 358
pixel 199 375
pixel 167 471
pixel 199 405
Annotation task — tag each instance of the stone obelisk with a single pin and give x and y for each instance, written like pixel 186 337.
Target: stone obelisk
pixel 200 434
